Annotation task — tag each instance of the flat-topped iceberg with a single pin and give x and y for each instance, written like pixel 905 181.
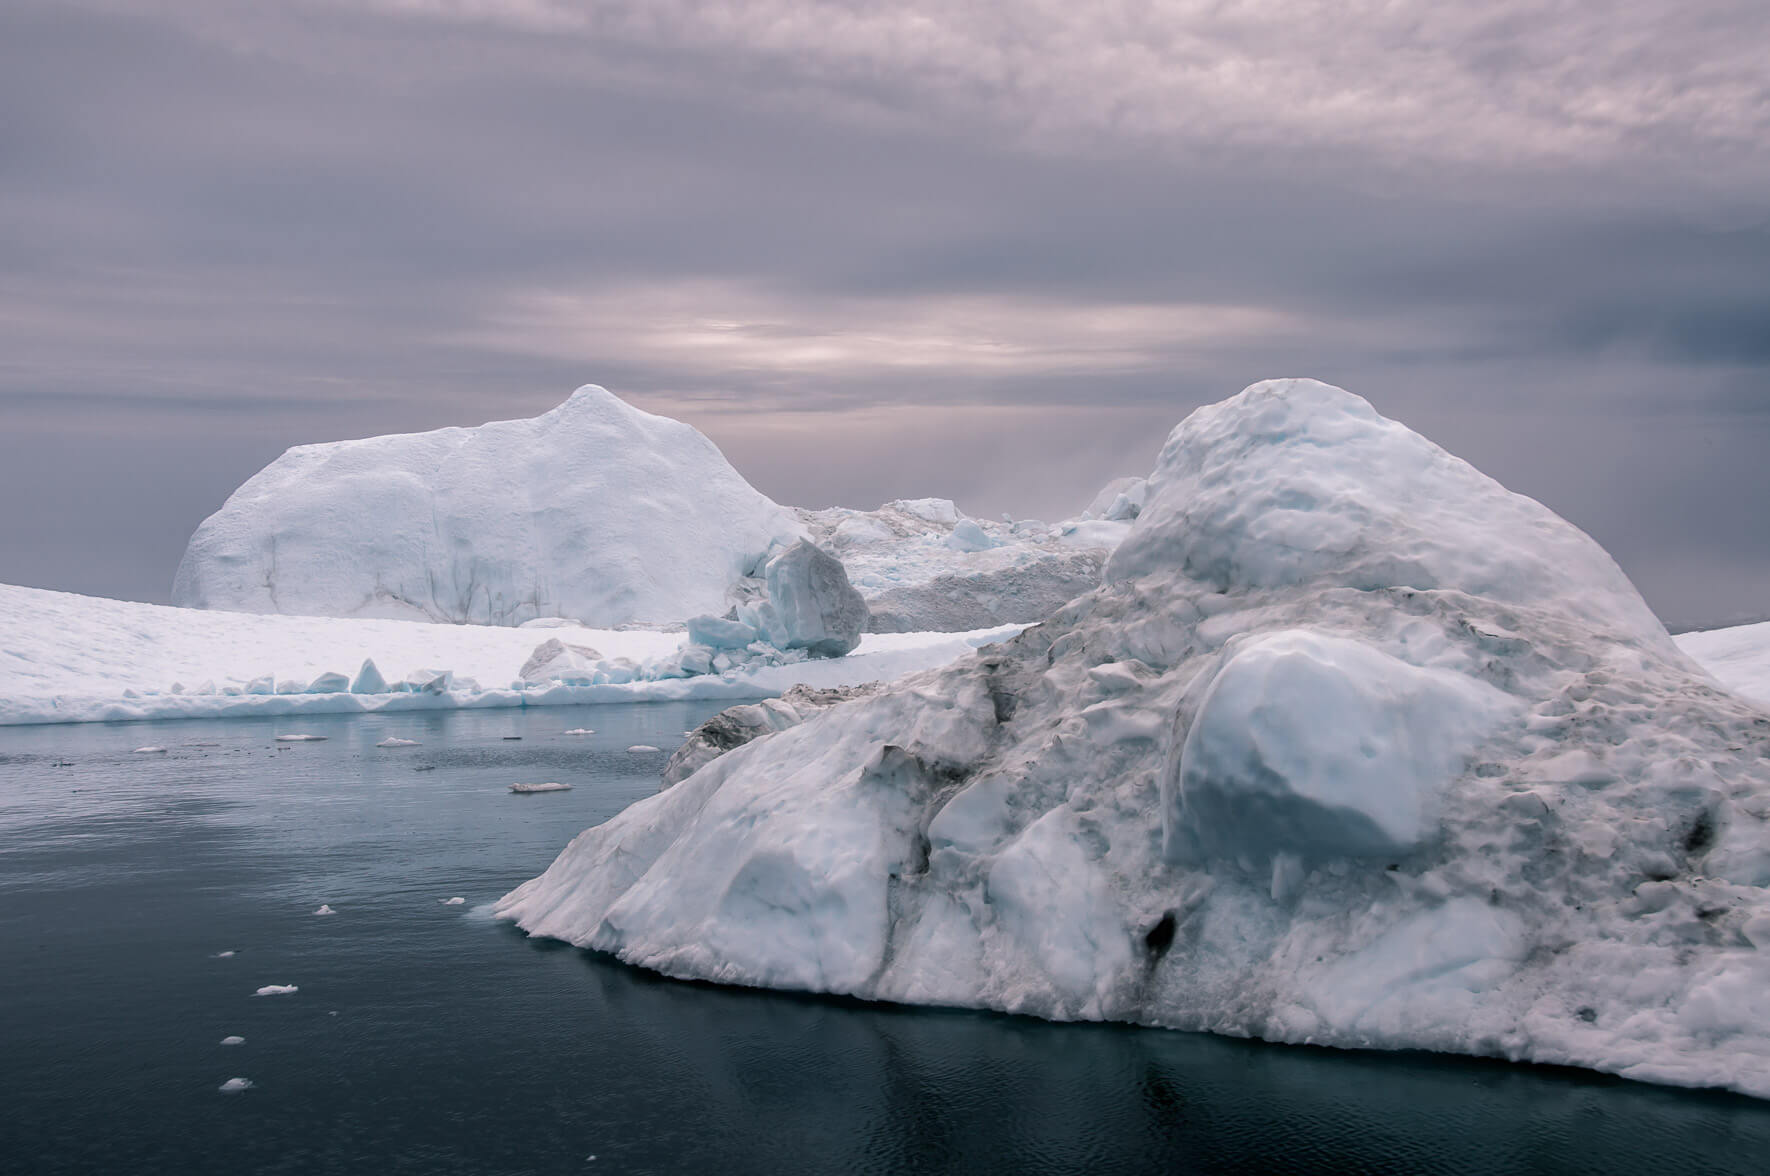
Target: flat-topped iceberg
pixel 1353 747
pixel 594 511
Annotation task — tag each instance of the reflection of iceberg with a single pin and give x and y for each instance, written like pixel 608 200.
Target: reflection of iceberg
pixel 1353 747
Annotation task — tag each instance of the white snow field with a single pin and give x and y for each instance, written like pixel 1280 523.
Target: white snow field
pixel 67 658
pixel 594 511
pixel 1352 747
pixel 1739 657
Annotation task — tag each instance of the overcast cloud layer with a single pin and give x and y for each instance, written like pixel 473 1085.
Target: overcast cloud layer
pixel 992 252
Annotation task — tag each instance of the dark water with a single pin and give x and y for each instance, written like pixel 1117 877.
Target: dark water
pixel 427 1039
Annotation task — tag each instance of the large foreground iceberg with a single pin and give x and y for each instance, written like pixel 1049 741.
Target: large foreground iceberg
pixel 594 511
pixel 1352 747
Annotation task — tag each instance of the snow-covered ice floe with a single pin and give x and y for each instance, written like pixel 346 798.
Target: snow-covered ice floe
pixel 278 990
pixel 1353 747
pixel 76 658
pixel 551 786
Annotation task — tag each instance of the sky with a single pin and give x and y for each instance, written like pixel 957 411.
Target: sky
pixel 984 250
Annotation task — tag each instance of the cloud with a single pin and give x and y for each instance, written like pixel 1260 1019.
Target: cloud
pixel 1502 81
pixel 702 331
pixel 986 250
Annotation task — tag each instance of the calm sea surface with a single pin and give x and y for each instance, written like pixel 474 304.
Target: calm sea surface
pixel 426 1038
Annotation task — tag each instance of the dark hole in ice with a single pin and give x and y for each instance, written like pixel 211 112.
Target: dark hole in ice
pixel 1701 834
pixel 1161 936
pixel 1588 1014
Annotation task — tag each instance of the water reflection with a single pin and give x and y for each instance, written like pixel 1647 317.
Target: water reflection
pixel 425 1039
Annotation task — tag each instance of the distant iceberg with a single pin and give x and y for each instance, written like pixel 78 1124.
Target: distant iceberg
pixel 594 511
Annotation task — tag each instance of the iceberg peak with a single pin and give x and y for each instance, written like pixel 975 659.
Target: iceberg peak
pixel 1295 483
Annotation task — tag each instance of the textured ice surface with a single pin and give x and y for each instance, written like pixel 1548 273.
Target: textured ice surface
pixel 595 511
pixel 737 725
pixel 1353 747
pixel 921 564
pixel 810 605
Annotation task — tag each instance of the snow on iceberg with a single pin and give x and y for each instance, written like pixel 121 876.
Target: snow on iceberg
pixel 1352 747
pixel 594 511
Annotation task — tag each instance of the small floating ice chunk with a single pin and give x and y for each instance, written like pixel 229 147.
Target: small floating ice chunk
pixel 325 910
pixel 579 731
pixel 456 901
pixel 553 786
pixel 394 741
pixel 369 679
pixel 642 748
pixel 235 1085
pixel 301 738
pixel 223 955
pixel 232 1039
pixel 277 990
pixel 150 751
